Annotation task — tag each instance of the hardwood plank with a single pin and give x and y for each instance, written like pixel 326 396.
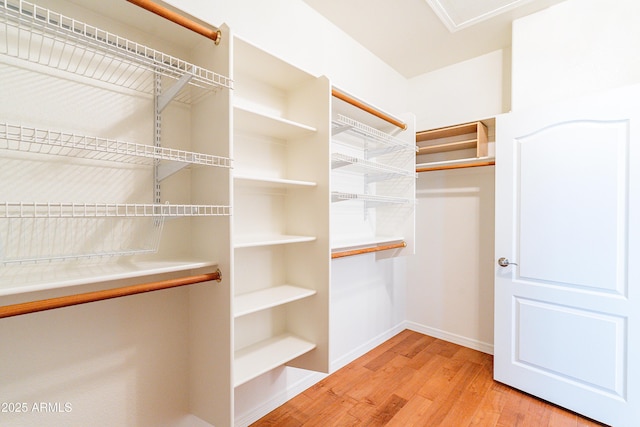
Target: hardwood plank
pixel 416 380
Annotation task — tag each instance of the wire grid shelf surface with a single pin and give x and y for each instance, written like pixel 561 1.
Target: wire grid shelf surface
pixel 45 37
pixel 341 196
pixel 33 140
pixel 38 239
pixel 34 232
pixel 97 210
pixel 370 137
pixel 340 160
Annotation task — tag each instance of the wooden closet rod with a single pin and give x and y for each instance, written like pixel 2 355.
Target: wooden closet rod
pixel 213 34
pixel 460 166
pixel 69 300
pixel 369 250
pixel 368 109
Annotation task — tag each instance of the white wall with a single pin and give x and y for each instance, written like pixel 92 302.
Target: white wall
pixel 464 92
pixel 575 48
pixel 295 32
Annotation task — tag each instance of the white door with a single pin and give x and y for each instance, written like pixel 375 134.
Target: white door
pixel 567 307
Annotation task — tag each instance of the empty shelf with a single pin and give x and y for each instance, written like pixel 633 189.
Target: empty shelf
pixel 257 359
pixel 44 141
pixel 358 165
pixel 267 298
pixel 269 240
pixel 273 182
pixel 265 124
pixel 16 280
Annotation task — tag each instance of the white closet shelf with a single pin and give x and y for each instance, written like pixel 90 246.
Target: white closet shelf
pixel 104 210
pixel 258 122
pixel 272 182
pixel 268 298
pixel 257 359
pixel 270 240
pixel 370 199
pixel 17 280
pixel 33 140
pixel 362 166
pixel 45 37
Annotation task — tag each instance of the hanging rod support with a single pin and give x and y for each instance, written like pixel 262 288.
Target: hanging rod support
pixel 70 300
pixel 213 34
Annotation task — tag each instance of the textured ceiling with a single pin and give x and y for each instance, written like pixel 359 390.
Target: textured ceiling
pixel 410 37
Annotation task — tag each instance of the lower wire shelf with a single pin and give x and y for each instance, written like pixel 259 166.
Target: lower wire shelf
pixel 257 359
pixel 15 279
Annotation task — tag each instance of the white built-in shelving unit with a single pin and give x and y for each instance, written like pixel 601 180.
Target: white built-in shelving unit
pixel 373 180
pixel 281 215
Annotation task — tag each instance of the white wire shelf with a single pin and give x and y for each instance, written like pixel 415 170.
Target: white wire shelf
pixel 103 210
pixel 370 199
pixel 14 279
pixel 367 137
pixel 358 165
pixel 36 232
pixel 33 140
pixel 45 37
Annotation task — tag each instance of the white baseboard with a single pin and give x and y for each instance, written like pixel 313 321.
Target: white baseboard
pixel 279 399
pixel 447 336
pixel 366 347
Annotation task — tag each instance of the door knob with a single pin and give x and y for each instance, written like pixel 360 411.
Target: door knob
pixel 504 262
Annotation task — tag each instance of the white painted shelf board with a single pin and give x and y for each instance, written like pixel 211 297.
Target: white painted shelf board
pixel 257 359
pixel 273 182
pixel 17 279
pixel 268 298
pixel 266 124
pixel 270 240
pixel 343 244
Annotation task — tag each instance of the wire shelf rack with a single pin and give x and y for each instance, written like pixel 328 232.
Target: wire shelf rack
pixel 367 137
pixel 370 199
pixel 33 140
pixel 359 165
pixel 48 38
pixel 102 210
pixel 45 232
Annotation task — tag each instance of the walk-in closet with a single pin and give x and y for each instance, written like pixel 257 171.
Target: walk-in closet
pixel 209 207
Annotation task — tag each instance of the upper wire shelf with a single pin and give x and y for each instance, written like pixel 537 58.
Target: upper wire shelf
pixel 368 137
pixel 45 37
pixel 100 210
pixel 33 140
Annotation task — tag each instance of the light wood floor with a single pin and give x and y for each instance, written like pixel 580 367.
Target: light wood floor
pixel 417 380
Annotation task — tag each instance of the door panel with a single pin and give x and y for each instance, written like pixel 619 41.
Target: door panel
pixel 567 307
pixel 558 248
